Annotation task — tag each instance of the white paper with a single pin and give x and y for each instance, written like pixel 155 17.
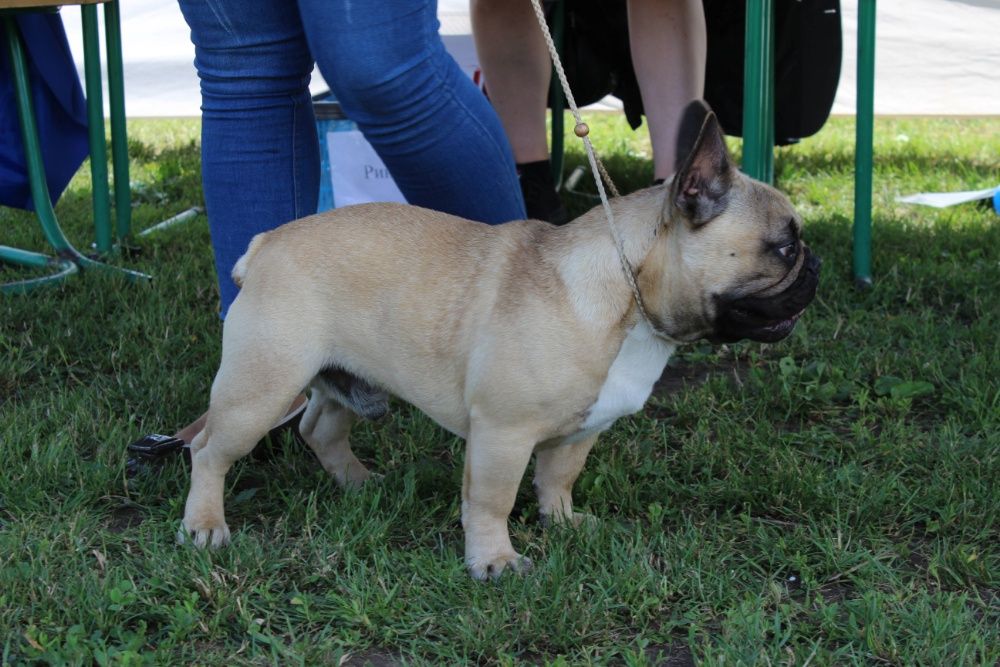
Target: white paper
pixel 357 174
pixel 944 199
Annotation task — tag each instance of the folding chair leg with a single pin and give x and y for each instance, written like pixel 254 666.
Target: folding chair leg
pixel 119 135
pixel 68 258
pixel 95 125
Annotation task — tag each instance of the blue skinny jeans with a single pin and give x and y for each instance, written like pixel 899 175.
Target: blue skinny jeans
pixel 385 63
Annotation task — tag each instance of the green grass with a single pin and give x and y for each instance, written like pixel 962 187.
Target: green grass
pixel 831 499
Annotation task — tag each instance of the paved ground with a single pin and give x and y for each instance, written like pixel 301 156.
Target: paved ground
pixel 933 56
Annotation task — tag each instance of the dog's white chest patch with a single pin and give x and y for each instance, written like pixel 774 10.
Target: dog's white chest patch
pixel 630 380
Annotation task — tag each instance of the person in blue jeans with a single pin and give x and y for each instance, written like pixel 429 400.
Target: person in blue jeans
pixel 386 65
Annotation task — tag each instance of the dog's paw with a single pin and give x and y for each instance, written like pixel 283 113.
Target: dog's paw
pixel 203 536
pixel 491 568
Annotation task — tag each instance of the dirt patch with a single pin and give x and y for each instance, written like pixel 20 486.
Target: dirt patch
pixel 837 592
pixel 372 659
pixel 670 655
pixel 685 375
pixel 125 517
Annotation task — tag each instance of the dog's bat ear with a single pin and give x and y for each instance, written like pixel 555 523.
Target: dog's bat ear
pixel 692 119
pixel 700 189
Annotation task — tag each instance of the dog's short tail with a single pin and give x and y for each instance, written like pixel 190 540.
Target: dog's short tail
pixel 240 269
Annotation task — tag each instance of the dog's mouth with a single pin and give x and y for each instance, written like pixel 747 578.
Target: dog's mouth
pixel 767 319
pixel 769 332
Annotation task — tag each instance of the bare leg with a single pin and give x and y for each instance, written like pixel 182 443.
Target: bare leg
pixel 516 66
pixel 668 45
pixel 556 469
pixel 325 426
pixel 495 461
pixel 189 432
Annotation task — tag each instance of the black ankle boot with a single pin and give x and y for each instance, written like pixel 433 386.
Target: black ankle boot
pixel 539 189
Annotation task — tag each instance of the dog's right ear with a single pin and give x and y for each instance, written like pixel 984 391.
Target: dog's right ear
pixel 700 189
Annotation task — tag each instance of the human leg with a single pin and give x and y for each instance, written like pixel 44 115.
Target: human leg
pixel 668 45
pixel 260 158
pixel 517 69
pixel 260 155
pixel 387 66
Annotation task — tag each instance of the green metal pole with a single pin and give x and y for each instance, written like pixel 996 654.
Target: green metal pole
pixel 758 76
pixel 95 123
pixel 863 144
pixel 119 136
pixel 767 154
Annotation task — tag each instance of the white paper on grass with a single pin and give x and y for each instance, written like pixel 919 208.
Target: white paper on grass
pixel 945 199
pixel 357 174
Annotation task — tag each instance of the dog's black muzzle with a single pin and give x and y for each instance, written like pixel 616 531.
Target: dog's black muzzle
pixel 767 319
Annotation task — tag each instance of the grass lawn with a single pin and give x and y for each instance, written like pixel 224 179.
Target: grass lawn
pixel 831 499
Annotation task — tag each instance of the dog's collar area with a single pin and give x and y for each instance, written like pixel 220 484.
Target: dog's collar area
pixel 655 325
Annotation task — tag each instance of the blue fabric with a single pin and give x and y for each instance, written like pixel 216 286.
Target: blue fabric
pixel 386 65
pixel 60 111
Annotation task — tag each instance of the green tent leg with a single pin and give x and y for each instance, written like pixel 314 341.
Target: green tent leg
pixel 863 144
pixel 758 91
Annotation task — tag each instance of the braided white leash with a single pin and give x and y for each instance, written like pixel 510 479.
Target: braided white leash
pixel 600 174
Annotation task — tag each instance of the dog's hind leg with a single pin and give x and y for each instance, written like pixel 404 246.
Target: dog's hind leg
pixel 257 380
pixel 326 425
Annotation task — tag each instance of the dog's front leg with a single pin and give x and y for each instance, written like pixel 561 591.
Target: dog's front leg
pixel 495 461
pixel 556 469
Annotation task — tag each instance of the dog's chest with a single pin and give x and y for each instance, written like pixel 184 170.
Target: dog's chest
pixel 630 379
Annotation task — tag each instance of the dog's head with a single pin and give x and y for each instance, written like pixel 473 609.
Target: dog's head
pixel 735 263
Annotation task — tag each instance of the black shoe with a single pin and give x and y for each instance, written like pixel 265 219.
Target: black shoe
pixel 539 190
pixel 151 449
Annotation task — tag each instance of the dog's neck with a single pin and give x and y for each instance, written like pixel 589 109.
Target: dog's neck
pixel 588 263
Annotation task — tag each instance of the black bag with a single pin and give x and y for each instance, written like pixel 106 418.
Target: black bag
pixel 807 56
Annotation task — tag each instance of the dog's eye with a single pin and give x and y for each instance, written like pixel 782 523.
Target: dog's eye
pixel 789 251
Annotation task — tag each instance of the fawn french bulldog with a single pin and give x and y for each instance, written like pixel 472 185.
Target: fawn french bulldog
pixel 522 338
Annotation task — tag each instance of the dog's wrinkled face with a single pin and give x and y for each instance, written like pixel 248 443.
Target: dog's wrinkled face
pixel 741 269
